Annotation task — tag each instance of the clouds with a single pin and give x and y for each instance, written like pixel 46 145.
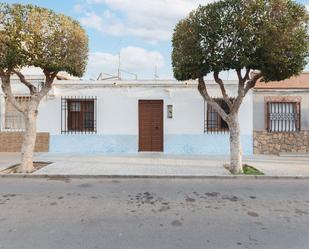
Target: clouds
pixel 149 22
pixel 106 23
pixel 133 59
pixel 95 1
pixel 145 19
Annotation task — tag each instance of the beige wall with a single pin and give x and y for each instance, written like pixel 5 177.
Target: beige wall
pixel 12 141
pixel 259 106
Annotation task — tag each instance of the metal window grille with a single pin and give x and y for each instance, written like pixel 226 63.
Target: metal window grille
pixel 213 123
pixel 78 115
pixel 13 119
pixel 283 116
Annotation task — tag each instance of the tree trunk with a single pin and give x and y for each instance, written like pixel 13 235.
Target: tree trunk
pixel 30 113
pixel 235 145
pixel 29 139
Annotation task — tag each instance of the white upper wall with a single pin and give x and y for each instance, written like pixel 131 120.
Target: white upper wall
pixel 117 105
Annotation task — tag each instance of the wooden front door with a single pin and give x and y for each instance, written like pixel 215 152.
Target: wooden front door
pixel 150 125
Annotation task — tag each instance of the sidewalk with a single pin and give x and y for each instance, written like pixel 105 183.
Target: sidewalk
pixel 8 159
pixel 154 164
pixel 131 165
pixel 281 165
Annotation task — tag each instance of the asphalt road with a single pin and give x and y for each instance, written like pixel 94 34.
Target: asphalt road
pixel 153 214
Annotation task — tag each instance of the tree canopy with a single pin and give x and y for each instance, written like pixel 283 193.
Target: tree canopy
pixel 270 36
pixel 35 36
pixel 259 39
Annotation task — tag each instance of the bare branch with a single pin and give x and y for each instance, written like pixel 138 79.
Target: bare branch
pixel 243 90
pixel 49 79
pixel 247 74
pixel 240 78
pixel 237 103
pixel 203 91
pixel 251 83
pixel 241 86
pixel 7 90
pixel 23 80
pixel 225 96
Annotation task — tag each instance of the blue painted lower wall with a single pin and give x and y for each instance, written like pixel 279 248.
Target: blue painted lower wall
pixel 94 143
pixel 206 144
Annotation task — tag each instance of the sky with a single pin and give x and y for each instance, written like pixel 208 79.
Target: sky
pixel 139 31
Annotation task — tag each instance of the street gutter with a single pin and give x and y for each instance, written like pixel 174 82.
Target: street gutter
pixel 55 177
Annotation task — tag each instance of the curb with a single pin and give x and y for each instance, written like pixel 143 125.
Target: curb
pixel 60 177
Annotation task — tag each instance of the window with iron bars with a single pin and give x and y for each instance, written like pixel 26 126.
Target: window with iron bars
pixel 283 116
pixel 13 119
pixel 78 115
pixel 213 123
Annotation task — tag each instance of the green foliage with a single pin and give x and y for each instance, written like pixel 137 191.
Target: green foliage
pixel 266 35
pixel 187 55
pixel 11 36
pixel 249 170
pixel 34 36
pixel 246 170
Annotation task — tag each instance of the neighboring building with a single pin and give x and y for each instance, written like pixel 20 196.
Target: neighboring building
pixel 163 115
pixel 128 117
pixel 281 116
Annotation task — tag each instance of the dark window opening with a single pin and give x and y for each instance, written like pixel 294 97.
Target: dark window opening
pixel 213 121
pixel 78 115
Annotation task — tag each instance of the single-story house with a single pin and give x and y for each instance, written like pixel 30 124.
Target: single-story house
pixel 130 116
pixel 126 116
pixel 281 116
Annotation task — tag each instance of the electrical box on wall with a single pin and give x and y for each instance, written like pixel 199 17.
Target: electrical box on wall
pixel 170 111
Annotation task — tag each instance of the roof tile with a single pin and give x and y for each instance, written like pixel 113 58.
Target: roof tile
pixel 297 82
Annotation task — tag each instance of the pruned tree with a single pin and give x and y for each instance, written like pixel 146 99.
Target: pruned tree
pixel 260 40
pixel 34 36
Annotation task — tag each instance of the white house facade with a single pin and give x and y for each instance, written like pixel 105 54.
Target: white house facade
pixel 132 116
